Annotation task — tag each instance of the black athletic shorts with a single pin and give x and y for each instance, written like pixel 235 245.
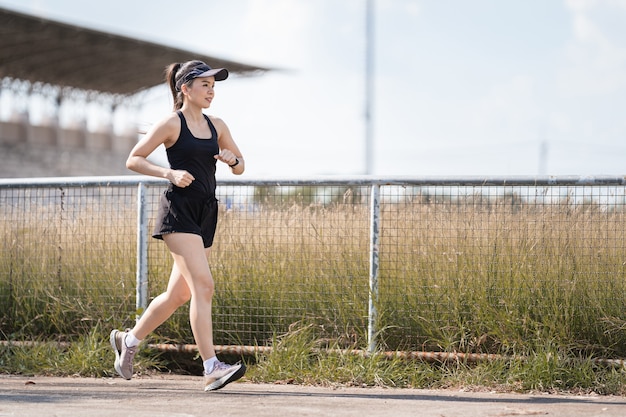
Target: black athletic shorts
pixel 186 214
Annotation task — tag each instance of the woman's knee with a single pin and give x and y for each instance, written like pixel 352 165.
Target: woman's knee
pixel 204 289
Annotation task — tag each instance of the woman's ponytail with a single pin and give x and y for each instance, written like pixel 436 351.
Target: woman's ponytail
pixel 170 77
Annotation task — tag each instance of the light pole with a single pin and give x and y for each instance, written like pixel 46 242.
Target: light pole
pixel 369 85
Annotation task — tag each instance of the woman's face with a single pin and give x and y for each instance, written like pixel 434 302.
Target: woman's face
pixel 200 91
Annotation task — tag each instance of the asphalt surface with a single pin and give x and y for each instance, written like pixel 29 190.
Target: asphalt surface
pixel 172 396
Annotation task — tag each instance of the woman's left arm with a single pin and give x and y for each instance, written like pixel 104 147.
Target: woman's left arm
pixel 229 151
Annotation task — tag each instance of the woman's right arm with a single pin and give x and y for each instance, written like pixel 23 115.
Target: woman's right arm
pixel 163 133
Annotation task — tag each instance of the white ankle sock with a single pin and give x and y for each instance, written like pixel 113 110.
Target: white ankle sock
pixel 130 340
pixel 209 363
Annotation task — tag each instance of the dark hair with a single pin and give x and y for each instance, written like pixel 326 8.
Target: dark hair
pixel 174 73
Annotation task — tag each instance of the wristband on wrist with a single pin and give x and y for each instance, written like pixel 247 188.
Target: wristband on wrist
pixel 235 164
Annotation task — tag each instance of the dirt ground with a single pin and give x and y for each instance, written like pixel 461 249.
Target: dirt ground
pixel 170 395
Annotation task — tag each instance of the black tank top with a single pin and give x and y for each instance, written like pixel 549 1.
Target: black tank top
pixel 196 156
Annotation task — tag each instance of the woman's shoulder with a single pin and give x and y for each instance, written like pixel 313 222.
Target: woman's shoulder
pixel 167 129
pixel 172 118
pixel 217 122
pixel 169 122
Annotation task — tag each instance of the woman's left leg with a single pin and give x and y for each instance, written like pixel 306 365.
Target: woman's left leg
pixel 190 257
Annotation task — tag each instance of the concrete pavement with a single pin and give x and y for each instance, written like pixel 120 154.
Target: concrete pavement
pixel 174 395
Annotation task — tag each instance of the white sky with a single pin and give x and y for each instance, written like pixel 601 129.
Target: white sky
pixel 462 87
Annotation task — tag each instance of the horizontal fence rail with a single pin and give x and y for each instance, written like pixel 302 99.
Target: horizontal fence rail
pixel 472 265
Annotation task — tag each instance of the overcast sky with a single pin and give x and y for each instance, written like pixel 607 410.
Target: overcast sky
pixel 461 87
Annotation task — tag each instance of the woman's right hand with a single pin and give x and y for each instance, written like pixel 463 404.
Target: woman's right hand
pixel 180 178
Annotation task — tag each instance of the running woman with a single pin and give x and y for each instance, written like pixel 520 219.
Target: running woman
pixel 187 215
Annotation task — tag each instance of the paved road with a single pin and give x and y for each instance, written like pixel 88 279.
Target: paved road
pixel 174 396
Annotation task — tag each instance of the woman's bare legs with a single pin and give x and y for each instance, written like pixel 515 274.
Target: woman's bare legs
pixel 190 257
pixel 190 279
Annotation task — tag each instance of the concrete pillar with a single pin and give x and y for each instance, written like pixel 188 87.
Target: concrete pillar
pixel 71 138
pixel 12 132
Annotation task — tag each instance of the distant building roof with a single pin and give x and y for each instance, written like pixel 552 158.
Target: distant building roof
pixel 40 50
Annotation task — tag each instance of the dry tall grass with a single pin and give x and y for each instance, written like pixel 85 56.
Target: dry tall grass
pixel 470 275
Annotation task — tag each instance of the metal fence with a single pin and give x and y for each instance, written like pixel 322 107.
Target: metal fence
pixel 456 264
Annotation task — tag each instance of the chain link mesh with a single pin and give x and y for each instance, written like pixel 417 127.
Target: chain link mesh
pixel 460 265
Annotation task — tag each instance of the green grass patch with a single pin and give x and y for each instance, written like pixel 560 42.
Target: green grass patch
pixel 297 358
pixel 89 355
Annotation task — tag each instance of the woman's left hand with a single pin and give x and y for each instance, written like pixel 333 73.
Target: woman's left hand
pixel 226 156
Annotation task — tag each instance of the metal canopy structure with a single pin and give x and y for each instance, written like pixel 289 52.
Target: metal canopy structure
pixel 40 50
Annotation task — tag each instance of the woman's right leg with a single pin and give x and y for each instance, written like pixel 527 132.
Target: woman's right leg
pixel 159 310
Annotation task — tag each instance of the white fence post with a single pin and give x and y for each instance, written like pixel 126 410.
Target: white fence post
pixel 374 263
pixel 141 298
